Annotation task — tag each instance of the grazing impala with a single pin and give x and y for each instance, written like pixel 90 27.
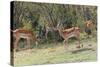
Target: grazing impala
pixel 25 34
pixel 68 33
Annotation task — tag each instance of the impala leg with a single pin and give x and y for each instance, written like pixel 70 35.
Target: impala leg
pixel 36 43
pixel 28 43
pixel 16 43
pixel 46 34
pixel 78 42
pixel 65 42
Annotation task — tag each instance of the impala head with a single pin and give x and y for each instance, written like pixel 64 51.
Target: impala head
pixel 59 26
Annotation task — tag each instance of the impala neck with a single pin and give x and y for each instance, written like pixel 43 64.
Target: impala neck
pixel 60 33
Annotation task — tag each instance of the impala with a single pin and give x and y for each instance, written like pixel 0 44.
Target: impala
pixel 25 34
pixel 43 31
pixel 68 33
pixel 89 27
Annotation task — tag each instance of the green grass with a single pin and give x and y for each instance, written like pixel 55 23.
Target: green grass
pixel 58 53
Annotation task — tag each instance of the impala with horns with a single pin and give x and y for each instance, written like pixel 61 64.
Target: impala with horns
pixel 89 26
pixel 69 33
pixel 25 34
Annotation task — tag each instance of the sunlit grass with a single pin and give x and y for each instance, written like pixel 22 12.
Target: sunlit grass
pixel 58 53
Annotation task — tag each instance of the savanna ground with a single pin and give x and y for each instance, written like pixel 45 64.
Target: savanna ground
pixel 52 53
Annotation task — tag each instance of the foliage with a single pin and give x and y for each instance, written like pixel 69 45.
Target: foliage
pixel 51 14
pixel 31 15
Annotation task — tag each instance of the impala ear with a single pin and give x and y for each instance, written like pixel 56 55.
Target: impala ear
pixel 59 25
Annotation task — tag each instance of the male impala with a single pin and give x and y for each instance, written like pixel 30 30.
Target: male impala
pixel 89 27
pixel 68 33
pixel 25 34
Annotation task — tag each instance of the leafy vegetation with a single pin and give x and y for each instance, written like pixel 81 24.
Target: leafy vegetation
pixel 32 15
pixel 35 16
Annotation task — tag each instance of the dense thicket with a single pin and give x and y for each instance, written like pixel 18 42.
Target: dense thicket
pixel 34 15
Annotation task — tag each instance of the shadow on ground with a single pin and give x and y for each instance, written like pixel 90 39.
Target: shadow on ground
pixel 81 50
